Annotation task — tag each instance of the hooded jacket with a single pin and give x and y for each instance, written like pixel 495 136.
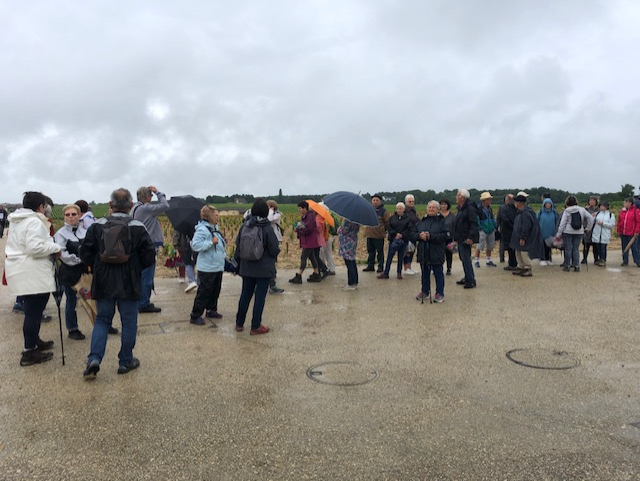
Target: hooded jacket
pixel 308 234
pixel 29 267
pixel 69 239
pixel 506 217
pixel 266 265
pixel 629 221
pixel 565 221
pixel 602 233
pixel 431 251
pixel 526 228
pixel 210 256
pixel 548 219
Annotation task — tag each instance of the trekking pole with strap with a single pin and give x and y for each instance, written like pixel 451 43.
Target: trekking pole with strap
pixel 57 295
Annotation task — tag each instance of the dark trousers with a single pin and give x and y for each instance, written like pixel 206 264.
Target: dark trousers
pixel 602 251
pixel 34 305
pixel 438 274
pixel 449 256
pixel 546 255
pixel 513 262
pixel 308 254
pixel 322 267
pixel 393 248
pixel 250 286
pixel 352 272
pixel 375 246
pixel 208 293
pixel 464 252
pixel 585 250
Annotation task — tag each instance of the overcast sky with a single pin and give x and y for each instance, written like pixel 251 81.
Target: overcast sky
pixel 314 96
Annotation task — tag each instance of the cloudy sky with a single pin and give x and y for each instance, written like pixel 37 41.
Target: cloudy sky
pixel 213 97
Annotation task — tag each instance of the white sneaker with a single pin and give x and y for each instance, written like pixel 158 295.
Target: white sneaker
pixel 191 287
pixel 409 272
pixel 549 263
pixel 180 280
pixel 349 288
pixel 543 263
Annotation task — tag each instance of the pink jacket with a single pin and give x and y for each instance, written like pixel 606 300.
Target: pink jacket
pixel 320 227
pixel 629 221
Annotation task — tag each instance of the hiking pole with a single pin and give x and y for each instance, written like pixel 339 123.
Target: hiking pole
pixel 57 295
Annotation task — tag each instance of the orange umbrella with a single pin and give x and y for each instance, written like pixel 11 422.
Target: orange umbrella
pixel 322 211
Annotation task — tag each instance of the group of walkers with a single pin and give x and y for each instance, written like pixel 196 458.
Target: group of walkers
pixel 120 252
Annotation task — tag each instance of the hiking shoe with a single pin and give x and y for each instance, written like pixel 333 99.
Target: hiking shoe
pixel 331 273
pixel 325 274
pixel 491 264
pixel 198 321
pixel 191 286
pixel 211 314
pixel 260 330
pixel 439 298
pixel 43 345
pixel 510 268
pixel 470 286
pixel 566 268
pixel 399 276
pixel 76 334
pixel 422 295
pixel 624 264
pixel 461 282
pixel 17 307
pixel 239 328
pixel 584 261
pixel 448 272
pixel 149 308
pixel 576 269
pixel 297 279
pixel 383 276
pixel 93 367
pixel 476 263
pixel 526 273
pixel 130 366
pixel 34 356
pixel 314 278
pixel 46 318
pixel 275 290
pixel 368 269
pixel 113 330
pixel 518 271
pixel 379 270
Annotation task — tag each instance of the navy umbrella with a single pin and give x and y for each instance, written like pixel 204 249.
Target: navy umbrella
pixel 184 213
pixel 352 207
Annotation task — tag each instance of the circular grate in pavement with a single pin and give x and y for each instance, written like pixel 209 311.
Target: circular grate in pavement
pixel 342 373
pixel 543 358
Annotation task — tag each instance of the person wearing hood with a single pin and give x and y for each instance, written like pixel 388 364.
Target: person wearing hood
pixel 400 227
pixel 375 236
pixel 628 227
pixel 256 275
pixel 548 219
pixel 211 246
pixel 69 237
pixel 431 235
pixel 571 230
pixel 601 234
pixel 29 271
pixel 526 239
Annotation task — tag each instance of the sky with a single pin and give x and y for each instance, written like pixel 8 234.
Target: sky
pixel 213 97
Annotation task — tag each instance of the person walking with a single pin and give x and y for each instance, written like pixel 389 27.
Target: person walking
pixel 548 219
pixel 628 227
pixel 348 244
pixel 29 270
pixel 116 284
pixel 465 234
pixel 256 274
pixel 575 220
pixel 147 213
pixel 375 236
pixel 526 239
pixel 431 236
pixel 604 222
pixel 400 227
pixel 449 222
pixel 307 232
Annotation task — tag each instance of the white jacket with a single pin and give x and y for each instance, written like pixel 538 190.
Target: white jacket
pixel 602 233
pixel 29 267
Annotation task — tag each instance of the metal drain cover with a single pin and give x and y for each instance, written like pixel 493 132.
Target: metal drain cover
pixel 543 358
pixel 342 373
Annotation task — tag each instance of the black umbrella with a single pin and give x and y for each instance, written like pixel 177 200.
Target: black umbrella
pixel 184 213
pixel 352 207
pixel 57 295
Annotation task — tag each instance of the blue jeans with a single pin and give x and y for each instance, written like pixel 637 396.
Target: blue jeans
pixel 438 273
pixel 34 305
pixel 147 284
pixel 635 251
pixel 602 251
pixel 392 251
pixel 572 249
pixel 251 285
pixel 70 315
pixel 352 272
pixel 128 309
pixel 464 252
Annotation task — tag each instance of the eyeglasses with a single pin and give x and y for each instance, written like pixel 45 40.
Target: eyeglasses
pixel 71 214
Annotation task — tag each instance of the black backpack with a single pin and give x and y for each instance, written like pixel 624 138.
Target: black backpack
pixel 115 247
pixel 576 220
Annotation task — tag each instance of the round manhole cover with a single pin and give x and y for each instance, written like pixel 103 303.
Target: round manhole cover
pixel 342 373
pixel 543 358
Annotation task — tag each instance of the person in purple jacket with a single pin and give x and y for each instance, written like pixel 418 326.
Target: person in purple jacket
pixel 307 233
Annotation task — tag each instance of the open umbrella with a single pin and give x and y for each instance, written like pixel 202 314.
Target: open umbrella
pixel 352 207
pixel 184 213
pixel 322 211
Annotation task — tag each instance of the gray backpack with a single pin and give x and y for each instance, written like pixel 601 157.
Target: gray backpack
pixel 251 244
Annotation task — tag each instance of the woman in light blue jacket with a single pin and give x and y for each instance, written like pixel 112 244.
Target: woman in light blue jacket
pixel 211 246
pixel 602 228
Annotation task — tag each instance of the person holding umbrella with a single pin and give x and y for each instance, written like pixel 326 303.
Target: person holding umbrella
pixel 29 271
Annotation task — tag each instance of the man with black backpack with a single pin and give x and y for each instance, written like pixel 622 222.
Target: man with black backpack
pixel 117 248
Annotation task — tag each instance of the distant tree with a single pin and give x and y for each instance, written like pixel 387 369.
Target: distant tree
pixel 627 191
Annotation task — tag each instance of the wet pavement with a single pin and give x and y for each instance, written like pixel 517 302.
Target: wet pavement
pixel 362 385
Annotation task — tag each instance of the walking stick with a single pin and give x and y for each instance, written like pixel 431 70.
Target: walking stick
pixel 57 295
pixel 630 244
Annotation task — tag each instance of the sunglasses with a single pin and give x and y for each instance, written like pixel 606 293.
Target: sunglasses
pixel 71 214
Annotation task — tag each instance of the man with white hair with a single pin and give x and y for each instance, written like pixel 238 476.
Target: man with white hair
pixel 465 234
pixel 410 211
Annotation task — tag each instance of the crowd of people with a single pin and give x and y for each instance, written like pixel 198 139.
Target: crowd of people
pixel 119 251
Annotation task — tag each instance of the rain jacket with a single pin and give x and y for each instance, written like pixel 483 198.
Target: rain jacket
pixel 72 267
pixel 565 221
pixel 29 267
pixel 431 251
pixel 602 233
pixel 466 223
pixel 526 227
pixel 592 211
pixel 308 233
pixel 506 217
pixel 402 225
pixel 210 256
pixel 266 265
pixel 348 240
pixel 548 219
pixel 629 221
pixel 274 217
